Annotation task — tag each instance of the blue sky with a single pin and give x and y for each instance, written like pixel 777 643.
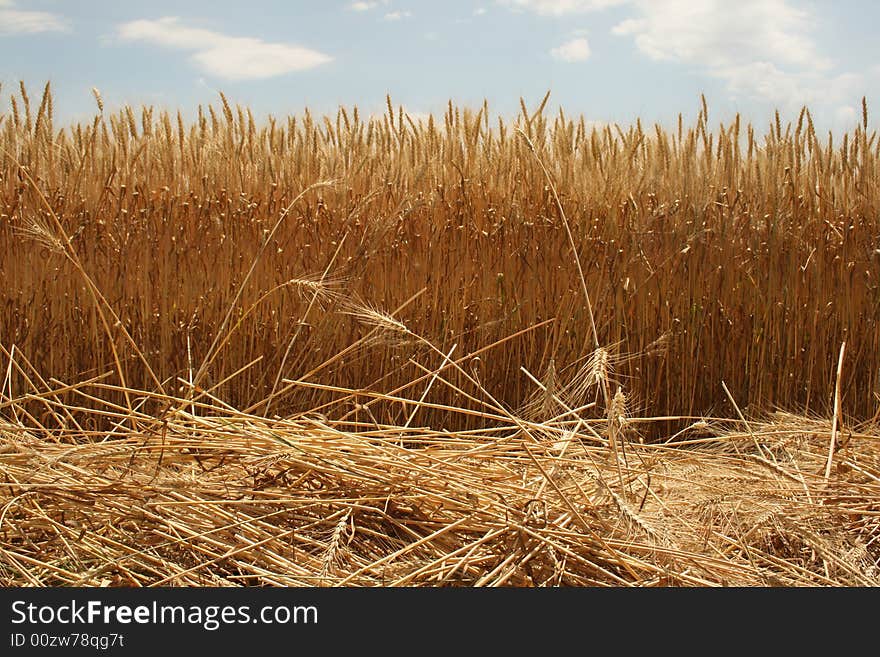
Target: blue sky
pixel 609 60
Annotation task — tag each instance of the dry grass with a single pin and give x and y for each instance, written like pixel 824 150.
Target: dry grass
pixel 222 498
pixel 343 352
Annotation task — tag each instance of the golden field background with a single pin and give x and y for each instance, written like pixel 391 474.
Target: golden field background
pixel 711 253
pixel 352 350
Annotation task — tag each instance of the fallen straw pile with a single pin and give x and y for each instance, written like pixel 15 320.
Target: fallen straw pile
pixel 204 495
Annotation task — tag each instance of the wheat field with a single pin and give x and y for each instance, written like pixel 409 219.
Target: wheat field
pixel 372 350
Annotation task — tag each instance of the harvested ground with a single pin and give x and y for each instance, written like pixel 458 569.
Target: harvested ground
pixel 220 498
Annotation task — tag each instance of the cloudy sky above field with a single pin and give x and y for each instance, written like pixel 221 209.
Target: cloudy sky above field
pixel 610 60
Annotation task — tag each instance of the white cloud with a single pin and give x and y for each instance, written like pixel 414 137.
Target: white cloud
pixel 847 115
pixel 717 31
pixel 576 50
pixel 366 5
pixel 560 7
pixel 479 11
pixel 761 49
pixel 396 15
pixel 17 21
pixel 787 88
pixel 232 58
